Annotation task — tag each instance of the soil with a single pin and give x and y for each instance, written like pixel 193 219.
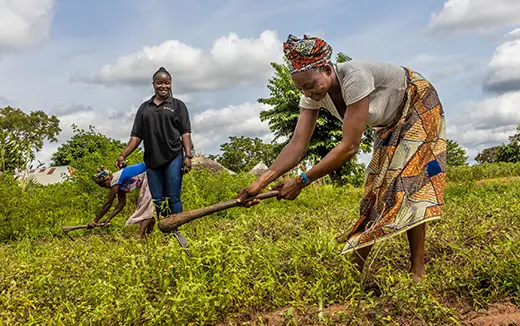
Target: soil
pixel 497 314
pixel 279 316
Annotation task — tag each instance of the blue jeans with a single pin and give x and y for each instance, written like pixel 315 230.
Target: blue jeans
pixel 166 183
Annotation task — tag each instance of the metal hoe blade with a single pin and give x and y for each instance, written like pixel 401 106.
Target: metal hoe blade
pixel 182 241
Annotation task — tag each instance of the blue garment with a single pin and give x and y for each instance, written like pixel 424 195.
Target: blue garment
pixel 126 177
pixel 166 182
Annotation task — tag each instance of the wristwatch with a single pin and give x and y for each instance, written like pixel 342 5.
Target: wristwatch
pixel 189 156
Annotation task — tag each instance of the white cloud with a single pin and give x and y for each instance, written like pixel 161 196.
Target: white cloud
pixel 5 101
pixel 113 123
pixel 425 58
pixel 213 127
pixel 490 121
pixel 478 15
pixel 67 109
pixel 448 68
pixel 504 68
pixel 452 69
pixel 110 122
pixel 230 62
pixel 24 22
pixel 486 123
pixel 210 128
pixel 45 154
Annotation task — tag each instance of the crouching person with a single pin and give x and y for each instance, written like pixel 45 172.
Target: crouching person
pixel 120 183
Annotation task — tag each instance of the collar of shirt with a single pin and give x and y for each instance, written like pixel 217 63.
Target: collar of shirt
pixel 168 100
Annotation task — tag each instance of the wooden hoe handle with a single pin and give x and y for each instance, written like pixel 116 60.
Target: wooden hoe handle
pixel 172 222
pixel 74 227
pixel 78 227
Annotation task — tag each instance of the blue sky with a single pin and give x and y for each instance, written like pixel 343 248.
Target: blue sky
pixel 90 62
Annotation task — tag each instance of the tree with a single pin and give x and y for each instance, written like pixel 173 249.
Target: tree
pixel 27 131
pixel 488 155
pixel 88 149
pixel 455 154
pixel 282 118
pixel 11 151
pixel 502 153
pixel 516 137
pixel 509 153
pixel 88 144
pixel 241 154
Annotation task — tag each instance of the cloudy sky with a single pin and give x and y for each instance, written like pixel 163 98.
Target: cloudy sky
pixel 90 62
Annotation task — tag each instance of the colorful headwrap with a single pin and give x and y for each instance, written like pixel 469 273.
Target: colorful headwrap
pixel 307 53
pixel 102 175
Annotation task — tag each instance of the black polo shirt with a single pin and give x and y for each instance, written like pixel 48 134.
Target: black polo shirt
pixel 161 127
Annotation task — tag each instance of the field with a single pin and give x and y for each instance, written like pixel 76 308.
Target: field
pixel 273 264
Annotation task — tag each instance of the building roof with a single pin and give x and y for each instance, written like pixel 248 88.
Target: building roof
pixel 259 169
pixel 201 162
pixel 46 176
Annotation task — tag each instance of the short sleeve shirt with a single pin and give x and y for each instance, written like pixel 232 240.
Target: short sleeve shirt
pixel 161 128
pixel 129 178
pixel 384 83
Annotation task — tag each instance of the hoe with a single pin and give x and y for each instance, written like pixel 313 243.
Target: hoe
pixel 171 223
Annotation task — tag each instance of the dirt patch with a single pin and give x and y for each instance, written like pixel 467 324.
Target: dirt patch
pixel 498 314
pixel 336 314
pixel 311 316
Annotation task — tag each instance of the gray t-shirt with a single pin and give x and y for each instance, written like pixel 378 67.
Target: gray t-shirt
pixel 385 83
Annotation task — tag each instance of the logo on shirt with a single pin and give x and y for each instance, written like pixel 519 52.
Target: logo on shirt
pixel 167 108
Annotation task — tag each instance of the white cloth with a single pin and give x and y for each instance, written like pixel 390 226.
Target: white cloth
pixel 384 83
pixel 145 208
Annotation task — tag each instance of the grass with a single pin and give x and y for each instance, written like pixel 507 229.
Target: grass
pixel 277 255
pixel 482 171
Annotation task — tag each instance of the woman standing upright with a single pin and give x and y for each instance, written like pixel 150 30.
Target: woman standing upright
pixel 163 124
pixel 404 182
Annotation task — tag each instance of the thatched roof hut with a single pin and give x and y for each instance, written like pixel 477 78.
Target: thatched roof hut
pixel 259 169
pixel 200 162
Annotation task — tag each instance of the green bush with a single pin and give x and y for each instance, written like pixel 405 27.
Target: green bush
pixel 41 211
pixel 482 171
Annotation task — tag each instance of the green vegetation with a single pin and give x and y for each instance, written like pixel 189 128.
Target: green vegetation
pixel 509 152
pixel 22 135
pixel 455 154
pixel 247 263
pixel 241 154
pixel 83 144
pixel 278 254
pixel 482 172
